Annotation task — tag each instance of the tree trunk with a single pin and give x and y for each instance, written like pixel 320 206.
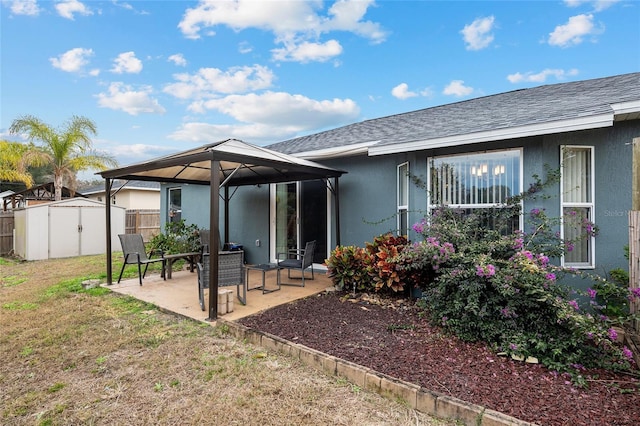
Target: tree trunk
pixel 57 184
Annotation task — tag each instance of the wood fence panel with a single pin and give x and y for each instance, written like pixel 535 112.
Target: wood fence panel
pixel 6 232
pixel 634 261
pixel 144 221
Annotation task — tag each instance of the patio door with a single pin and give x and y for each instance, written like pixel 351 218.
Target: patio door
pixel 299 214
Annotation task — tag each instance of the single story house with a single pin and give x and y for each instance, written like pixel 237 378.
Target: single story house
pixel 132 194
pixel 470 154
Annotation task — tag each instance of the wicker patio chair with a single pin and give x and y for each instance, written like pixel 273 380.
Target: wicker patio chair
pixel 134 254
pixel 230 273
pixel 296 259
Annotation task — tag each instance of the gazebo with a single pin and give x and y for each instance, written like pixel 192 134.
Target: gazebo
pixel 224 164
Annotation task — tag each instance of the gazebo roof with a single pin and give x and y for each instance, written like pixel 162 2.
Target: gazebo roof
pixel 241 164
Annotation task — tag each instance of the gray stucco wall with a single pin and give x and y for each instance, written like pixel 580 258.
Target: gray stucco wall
pixel 368 192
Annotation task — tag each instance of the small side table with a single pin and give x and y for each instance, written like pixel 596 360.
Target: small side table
pixel 263 267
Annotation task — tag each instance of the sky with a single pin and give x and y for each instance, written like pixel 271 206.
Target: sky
pixel 159 77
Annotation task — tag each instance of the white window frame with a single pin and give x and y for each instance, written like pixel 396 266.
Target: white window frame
pixel 431 206
pixel 590 264
pixel 402 207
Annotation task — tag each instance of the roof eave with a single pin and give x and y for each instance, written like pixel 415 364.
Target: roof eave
pixel 582 123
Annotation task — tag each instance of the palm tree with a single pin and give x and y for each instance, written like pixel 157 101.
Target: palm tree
pixel 68 150
pixel 16 158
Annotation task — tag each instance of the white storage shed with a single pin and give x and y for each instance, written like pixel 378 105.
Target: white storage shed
pixel 66 228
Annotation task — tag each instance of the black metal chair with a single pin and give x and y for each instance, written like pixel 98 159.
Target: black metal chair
pixel 134 254
pixel 296 259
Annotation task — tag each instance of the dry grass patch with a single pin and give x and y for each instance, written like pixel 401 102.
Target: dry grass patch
pixel 72 356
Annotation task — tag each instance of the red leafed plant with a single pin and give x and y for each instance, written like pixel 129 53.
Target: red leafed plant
pixel 383 249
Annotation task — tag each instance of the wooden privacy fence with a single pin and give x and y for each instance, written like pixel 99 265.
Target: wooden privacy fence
pixel 634 262
pixel 144 221
pixel 6 232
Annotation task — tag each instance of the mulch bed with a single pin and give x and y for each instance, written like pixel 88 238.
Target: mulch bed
pixel 391 337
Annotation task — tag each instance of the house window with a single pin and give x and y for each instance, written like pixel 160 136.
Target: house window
pixel 477 183
pixel 403 199
pixel 175 204
pixel 577 200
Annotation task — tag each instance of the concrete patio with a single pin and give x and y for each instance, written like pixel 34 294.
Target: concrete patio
pixel 180 293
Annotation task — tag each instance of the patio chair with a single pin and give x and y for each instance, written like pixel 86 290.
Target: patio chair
pixel 230 273
pixel 134 254
pixel 297 259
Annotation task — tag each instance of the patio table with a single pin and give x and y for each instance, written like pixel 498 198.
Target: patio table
pixel 191 257
pixel 263 268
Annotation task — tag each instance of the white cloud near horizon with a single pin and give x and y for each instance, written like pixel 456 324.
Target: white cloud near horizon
pixel 24 7
pixel 478 34
pixel 457 88
pixel 67 9
pixel 573 32
pixel 541 77
pixel 202 133
pixel 127 63
pixel 296 24
pixel 72 60
pixel 123 97
pixel 178 59
pixel 209 82
pixel 283 109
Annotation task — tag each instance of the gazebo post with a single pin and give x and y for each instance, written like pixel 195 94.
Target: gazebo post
pixel 107 191
pixel 336 196
pixel 214 238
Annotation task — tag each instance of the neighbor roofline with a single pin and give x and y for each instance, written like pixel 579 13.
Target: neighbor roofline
pixel 582 123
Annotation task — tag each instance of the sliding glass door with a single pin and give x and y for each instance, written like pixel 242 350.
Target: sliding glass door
pixel 299 214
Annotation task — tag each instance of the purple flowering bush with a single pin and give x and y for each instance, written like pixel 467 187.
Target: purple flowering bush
pixel 502 288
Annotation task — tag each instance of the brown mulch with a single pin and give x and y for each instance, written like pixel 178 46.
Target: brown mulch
pixel 391 337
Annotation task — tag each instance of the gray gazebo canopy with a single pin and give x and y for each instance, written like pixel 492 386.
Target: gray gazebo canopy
pixel 237 163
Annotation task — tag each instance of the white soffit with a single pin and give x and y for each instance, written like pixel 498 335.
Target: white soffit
pixel 584 123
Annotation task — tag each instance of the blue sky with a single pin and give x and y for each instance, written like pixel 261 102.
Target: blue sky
pixel 164 76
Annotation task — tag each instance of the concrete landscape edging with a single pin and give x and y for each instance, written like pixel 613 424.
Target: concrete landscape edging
pixel 416 397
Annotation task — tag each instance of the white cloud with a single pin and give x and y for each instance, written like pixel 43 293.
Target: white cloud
pixel 94 72
pixel 457 88
pixel 245 47
pixel 178 59
pixel 208 82
pixel 67 8
pixel 72 60
pixel 24 7
pixel 299 24
pixel 598 5
pixel 283 109
pixel 124 98
pixel 573 31
pixel 137 150
pixel 541 77
pixel 127 63
pixel 477 35
pixel 401 91
pixel 307 51
pixel 206 133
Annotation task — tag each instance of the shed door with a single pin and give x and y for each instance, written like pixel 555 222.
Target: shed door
pixel 75 231
pixel 64 240
pixel 92 230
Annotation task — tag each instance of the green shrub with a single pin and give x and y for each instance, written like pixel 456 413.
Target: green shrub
pixel 177 238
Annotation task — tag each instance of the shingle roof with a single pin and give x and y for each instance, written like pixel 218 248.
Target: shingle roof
pixel 525 107
pixel 132 184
